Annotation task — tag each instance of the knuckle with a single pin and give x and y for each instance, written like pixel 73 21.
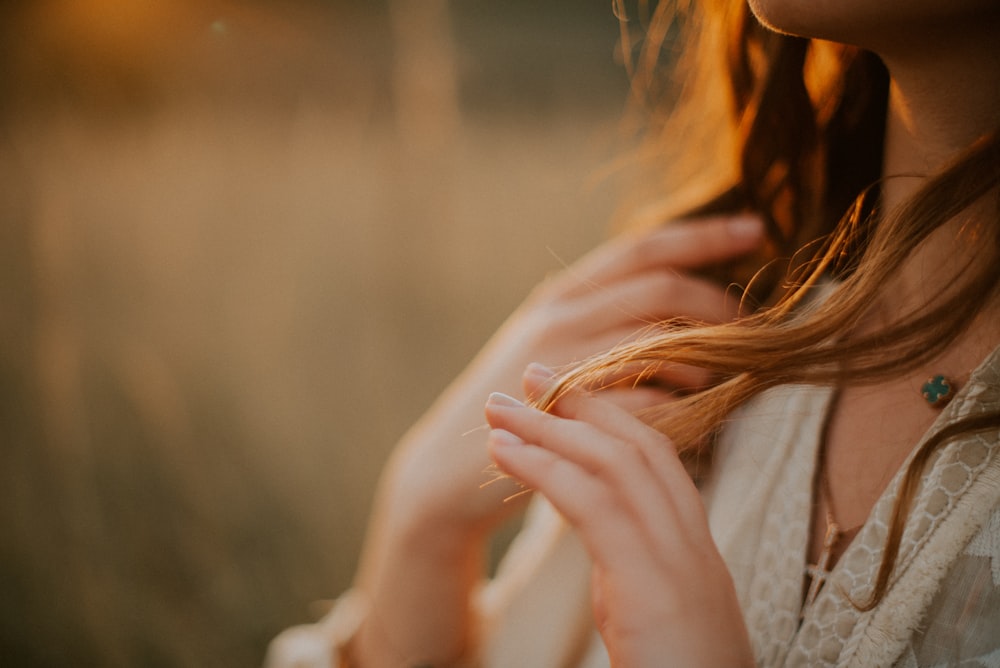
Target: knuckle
pixel 670 287
pixel 603 505
pixel 605 465
pixel 619 463
pixel 554 315
pixel 645 252
pixel 549 429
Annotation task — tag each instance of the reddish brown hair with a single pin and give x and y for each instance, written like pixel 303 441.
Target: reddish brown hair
pixel 802 144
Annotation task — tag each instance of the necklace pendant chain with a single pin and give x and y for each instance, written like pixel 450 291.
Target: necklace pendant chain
pixel 819 572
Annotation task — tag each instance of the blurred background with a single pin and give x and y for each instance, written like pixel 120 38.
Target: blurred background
pixel 244 245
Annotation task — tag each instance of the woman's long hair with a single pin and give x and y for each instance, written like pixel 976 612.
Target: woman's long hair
pixel 802 145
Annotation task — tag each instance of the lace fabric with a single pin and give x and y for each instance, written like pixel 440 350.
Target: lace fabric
pixel 942 608
pixel 943 605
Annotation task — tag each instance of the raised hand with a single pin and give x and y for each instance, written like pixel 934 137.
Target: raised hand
pixel 602 300
pixel 431 518
pixel 662 594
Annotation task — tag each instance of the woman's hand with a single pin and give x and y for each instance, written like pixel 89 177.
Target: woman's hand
pixel 604 299
pixel 432 519
pixel 662 594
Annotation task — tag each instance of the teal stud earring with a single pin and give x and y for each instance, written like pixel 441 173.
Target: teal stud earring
pixel 937 391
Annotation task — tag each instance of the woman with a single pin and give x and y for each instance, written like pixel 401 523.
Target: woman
pixel 844 519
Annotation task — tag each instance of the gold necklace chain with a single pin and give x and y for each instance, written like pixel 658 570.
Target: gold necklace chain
pixel 819 572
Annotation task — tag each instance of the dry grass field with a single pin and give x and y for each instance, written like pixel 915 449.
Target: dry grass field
pixel 244 244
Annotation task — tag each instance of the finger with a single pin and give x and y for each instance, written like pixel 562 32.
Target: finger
pixel 654 296
pixel 575 404
pixel 637 399
pixel 676 378
pixel 630 393
pixel 610 523
pixel 635 390
pixel 550 474
pixel 631 458
pixel 655 450
pixel 598 599
pixel 632 387
pixel 682 245
pixel 683 378
pixel 673 379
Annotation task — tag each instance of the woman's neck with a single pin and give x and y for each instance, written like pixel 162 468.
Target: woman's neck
pixel 944 95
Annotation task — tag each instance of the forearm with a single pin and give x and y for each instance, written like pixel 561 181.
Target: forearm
pixel 420 604
pixel 424 554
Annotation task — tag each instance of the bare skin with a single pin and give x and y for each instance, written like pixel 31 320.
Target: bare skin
pixel 940 101
pixel 424 554
pixel 659 583
pixel 425 551
pixel 619 486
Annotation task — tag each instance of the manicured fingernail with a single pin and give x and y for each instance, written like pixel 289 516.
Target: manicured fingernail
pixel 540 371
pixel 501 399
pixel 746 226
pixel 504 439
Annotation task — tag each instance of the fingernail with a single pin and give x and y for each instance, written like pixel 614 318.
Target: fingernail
pixel 746 226
pixel 502 438
pixel 501 399
pixel 540 371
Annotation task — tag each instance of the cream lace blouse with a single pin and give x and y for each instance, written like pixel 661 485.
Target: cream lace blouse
pixel 942 608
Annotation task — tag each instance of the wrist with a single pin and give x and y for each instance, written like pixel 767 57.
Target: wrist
pixel 419 595
pixel 425 512
pixel 375 646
